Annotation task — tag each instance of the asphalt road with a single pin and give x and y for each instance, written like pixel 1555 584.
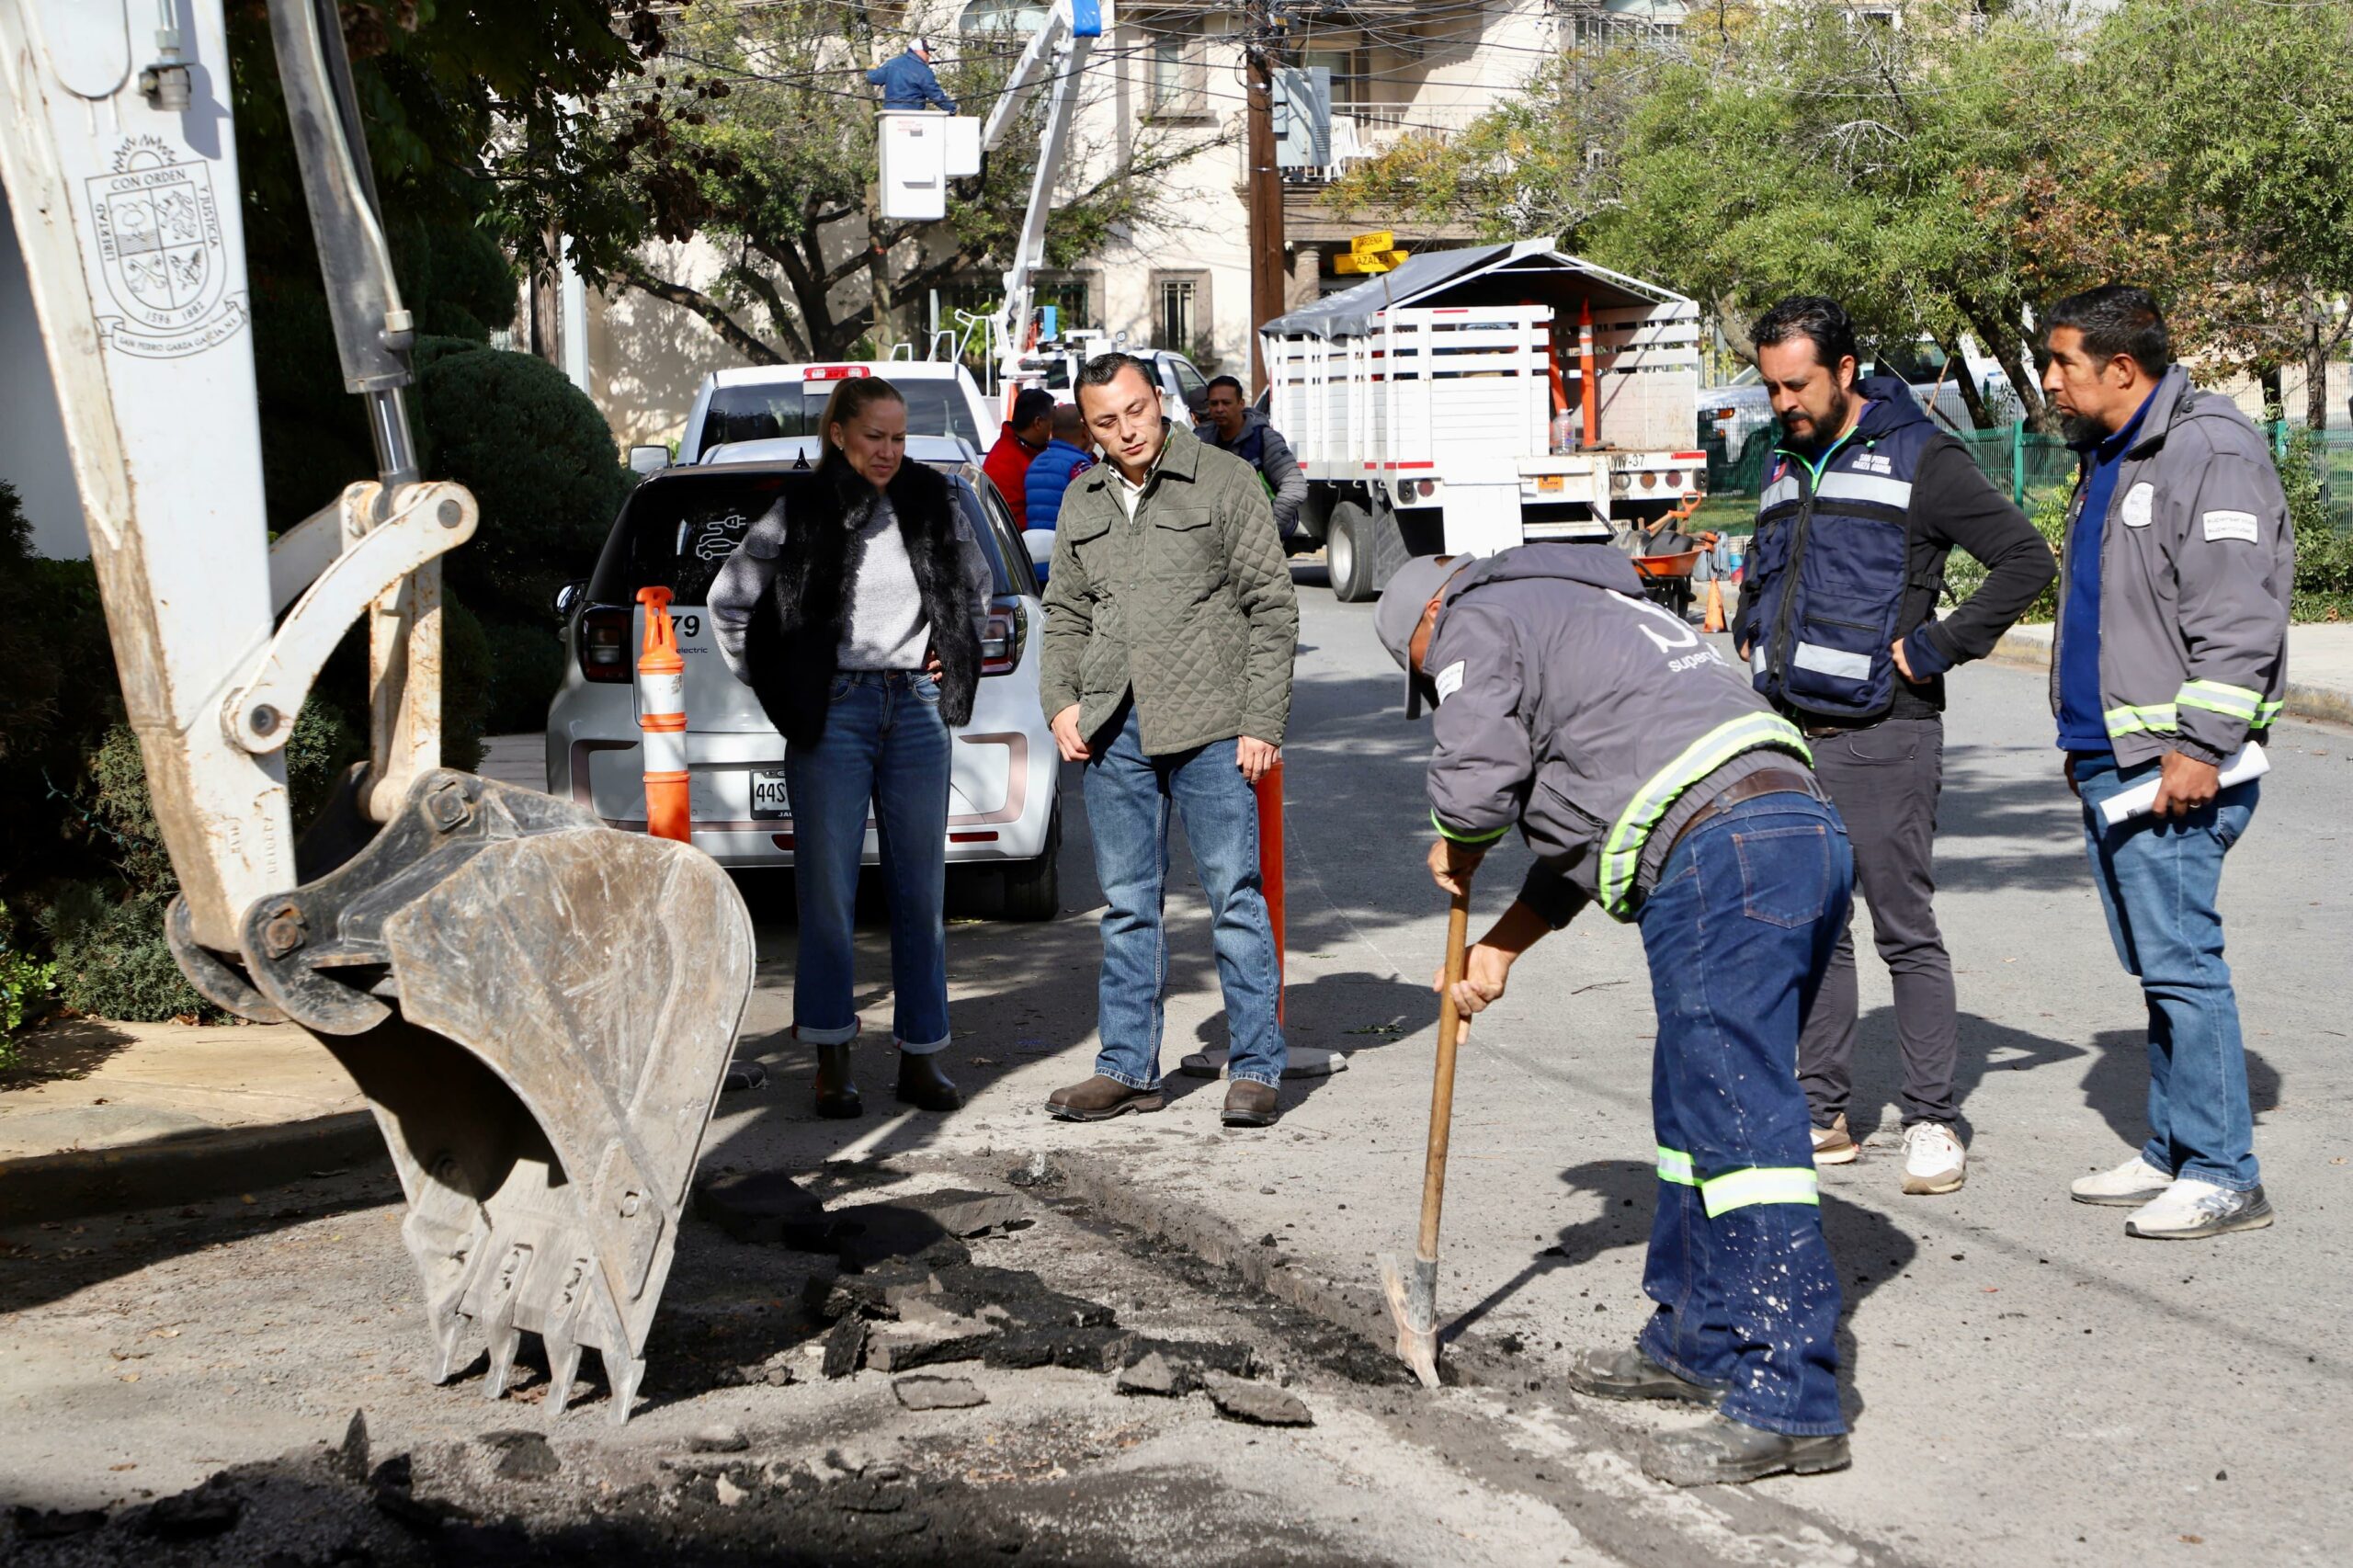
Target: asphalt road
pixel 2029 1386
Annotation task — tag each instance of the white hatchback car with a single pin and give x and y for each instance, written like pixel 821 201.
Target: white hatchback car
pixel 675 530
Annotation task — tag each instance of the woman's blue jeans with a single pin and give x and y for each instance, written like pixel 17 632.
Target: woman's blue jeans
pixel 885 748
pixel 2159 884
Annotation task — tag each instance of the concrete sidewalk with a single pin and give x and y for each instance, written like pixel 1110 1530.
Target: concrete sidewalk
pixel 99 1115
pixel 2320 666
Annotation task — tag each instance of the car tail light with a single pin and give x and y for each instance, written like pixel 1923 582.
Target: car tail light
pixel 604 644
pixel 1003 639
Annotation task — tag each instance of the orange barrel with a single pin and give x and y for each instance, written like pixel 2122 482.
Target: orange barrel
pixel 662 719
pixel 1270 788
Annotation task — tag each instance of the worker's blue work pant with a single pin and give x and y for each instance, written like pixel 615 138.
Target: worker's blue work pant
pixel 1738 933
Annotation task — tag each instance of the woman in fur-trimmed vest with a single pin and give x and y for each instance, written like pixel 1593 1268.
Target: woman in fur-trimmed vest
pixel 853 609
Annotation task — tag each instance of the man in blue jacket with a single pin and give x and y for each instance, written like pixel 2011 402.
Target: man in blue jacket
pixel 1066 457
pixel 906 80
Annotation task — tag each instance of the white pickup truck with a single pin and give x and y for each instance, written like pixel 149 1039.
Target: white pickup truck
pixel 1442 407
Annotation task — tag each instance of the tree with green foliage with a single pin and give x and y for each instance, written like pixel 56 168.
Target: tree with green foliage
pixel 767 146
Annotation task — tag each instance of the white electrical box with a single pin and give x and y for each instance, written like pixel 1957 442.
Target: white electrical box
pixel 913 150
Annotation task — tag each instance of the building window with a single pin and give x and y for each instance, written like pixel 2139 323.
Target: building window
pixel 1180 310
pixel 1073 303
pixel 1177 64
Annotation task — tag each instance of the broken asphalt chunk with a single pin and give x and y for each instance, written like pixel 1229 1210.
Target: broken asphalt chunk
pixel 207 1510
pixel 902 1346
pixel 1155 1375
pixel 1094 1349
pixel 720 1438
pixel 844 1347
pixel 522 1456
pixel 1260 1405
pixel 938 1393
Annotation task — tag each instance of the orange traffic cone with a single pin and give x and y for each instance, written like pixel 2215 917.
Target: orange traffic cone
pixel 661 722
pixel 1715 606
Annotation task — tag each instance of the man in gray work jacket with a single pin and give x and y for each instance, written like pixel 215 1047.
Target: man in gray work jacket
pixel 1647 777
pixel 2170 657
pixel 1865 500
pixel 1170 627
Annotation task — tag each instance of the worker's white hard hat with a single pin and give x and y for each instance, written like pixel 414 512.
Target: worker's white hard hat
pixel 920 44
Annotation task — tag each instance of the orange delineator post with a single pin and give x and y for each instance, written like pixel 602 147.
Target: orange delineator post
pixel 1587 393
pixel 1269 790
pixel 661 722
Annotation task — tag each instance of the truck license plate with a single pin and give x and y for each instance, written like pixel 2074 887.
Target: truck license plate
pixel 1549 482
pixel 769 800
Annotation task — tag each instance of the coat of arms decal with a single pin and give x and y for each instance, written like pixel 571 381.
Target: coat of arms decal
pixel 162 254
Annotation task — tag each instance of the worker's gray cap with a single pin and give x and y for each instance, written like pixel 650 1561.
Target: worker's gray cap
pixel 1417 582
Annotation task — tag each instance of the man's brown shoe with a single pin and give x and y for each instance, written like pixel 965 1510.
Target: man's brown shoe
pixel 1099 1099
pixel 1250 1104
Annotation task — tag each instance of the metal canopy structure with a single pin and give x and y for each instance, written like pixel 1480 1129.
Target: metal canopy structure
pixel 1484 273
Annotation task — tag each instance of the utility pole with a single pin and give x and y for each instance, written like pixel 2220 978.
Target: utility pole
pixel 1267 270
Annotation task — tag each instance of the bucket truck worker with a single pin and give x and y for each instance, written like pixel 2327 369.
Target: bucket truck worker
pixel 1864 501
pixel 1232 426
pixel 2171 655
pixel 1170 626
pixel 1648 778
pixel 907 82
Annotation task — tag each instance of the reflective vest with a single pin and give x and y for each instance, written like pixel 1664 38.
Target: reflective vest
pixel 1831 560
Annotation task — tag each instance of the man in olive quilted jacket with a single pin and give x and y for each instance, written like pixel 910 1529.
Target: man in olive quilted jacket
pixel 1170 626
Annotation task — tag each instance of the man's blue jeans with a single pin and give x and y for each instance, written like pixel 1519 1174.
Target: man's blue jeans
pixel 884 746
pixel 1738 932
pixel 1128 800
pixel 2159 882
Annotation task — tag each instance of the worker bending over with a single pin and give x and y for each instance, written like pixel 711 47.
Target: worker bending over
pixel 1649 778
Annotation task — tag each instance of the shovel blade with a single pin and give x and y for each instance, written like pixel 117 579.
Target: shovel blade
pixel 1413 1309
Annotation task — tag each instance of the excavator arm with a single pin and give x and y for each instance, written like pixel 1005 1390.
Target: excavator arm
pixel 539 1009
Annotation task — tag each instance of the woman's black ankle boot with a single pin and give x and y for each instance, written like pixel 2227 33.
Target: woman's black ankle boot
pixel 836 1090
pixel 923 1086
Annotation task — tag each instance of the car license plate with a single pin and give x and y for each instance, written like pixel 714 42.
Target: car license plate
pixel 769 800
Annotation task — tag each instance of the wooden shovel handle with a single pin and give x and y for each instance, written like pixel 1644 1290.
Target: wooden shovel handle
pixel 1450 1030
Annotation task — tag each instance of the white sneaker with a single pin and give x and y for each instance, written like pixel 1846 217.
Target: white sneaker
pixel 2129 1186
pixel 2190 1209
pixel 1934 1160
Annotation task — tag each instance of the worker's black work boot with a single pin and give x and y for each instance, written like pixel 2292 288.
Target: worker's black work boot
pixel 923 1086
pixel 1629 1374
pixel 1723 1452
pixel 836 1090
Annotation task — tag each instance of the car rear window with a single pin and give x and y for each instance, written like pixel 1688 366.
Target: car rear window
pixel 676 532
pixel 758 412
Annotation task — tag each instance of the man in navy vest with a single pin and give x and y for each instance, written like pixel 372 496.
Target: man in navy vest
pixel 1862 503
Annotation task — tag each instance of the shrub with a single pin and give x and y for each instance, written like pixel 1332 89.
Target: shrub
pixel 112 959
pixel 1963 575
pixel 2323 589
pixel 537 455
pixel 526 665
pixel 24 981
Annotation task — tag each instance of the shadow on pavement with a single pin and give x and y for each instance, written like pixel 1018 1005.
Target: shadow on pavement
pixel 1985 1047
pixel 65 1048
pixel 1866 1248
pixel 2116 1084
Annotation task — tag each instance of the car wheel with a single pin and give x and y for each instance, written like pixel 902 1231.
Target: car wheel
pixel 1033 888
pixel 1347 552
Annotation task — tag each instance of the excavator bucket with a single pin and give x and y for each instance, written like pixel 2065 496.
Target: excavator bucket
pixel 540 1011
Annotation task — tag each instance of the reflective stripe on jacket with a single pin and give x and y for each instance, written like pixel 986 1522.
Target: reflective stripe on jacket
pixel 1596 721
pixel 2197 561
pixel 1832 560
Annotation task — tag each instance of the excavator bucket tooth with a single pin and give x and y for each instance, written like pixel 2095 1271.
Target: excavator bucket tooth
pixel 540 1011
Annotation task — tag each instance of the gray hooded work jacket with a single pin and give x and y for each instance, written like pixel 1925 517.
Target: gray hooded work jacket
pixel 2197 559
pixel 1595 721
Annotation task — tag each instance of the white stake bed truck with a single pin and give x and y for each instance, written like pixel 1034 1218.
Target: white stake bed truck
pixel 1440 408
